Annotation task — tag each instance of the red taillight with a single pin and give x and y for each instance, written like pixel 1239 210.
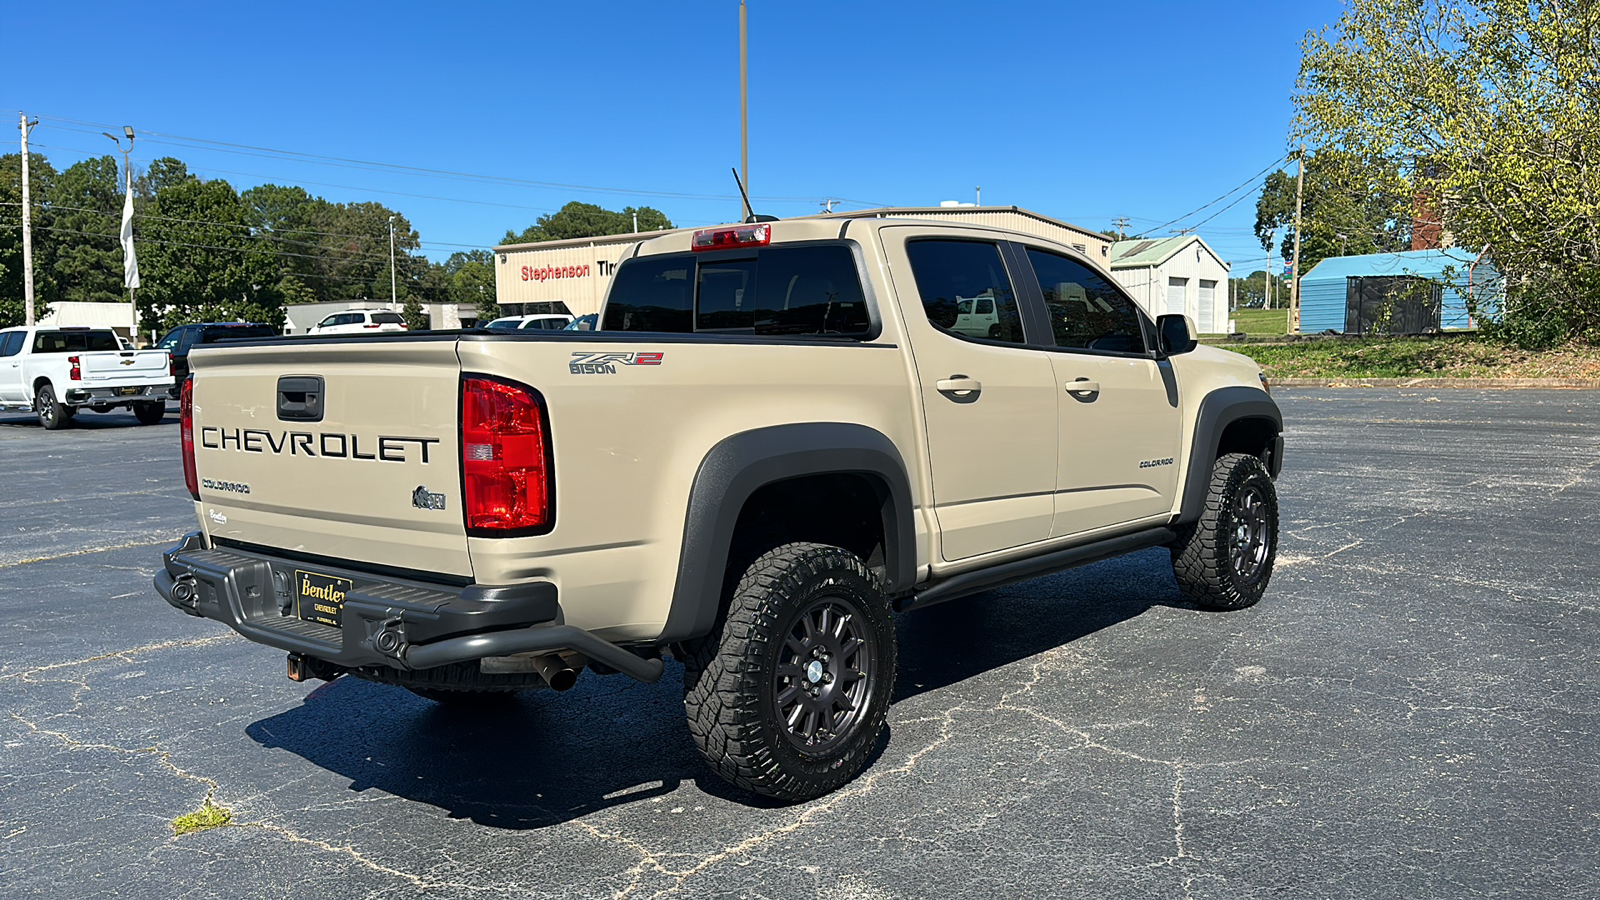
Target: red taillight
pixel 186 429
pixel 506 478
pixel 172 367
pixel 76 374
pixel 735 236
pixel 372 325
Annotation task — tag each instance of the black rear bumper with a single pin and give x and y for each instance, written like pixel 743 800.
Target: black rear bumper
pixel 404 625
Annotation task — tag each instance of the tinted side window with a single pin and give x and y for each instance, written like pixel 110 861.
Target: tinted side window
pixel 11 344
pixel 809 290
pixel 388 318
pixel 233 332
pixel 652 294
pixel 1086 310
pixel 170 341
pixel 965 290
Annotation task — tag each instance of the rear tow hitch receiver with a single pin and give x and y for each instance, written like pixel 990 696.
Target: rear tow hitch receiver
pixel 183 590
pixel 306 668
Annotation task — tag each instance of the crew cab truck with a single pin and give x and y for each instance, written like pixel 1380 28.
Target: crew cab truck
pixel 779 437
pixel 58 371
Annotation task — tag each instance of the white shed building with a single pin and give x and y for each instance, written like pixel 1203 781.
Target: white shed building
pixel 1175 275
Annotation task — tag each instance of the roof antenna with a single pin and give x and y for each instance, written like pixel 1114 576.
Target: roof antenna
pixel 752 217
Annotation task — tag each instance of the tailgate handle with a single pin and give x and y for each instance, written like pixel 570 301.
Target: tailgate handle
pixel 300 398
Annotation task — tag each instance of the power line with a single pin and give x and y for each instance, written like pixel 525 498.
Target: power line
pixel 346 162
pixel 1248 183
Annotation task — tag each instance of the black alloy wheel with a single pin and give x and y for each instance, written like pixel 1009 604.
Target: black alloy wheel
pixel 1250 543
pixel 824 675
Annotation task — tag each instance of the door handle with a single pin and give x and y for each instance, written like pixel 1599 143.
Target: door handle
pixel 1083 386
pixel 959 385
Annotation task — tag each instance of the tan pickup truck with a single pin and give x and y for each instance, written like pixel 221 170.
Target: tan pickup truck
pixel 782 434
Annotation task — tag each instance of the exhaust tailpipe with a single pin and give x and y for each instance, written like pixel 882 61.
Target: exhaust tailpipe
pixel 555 672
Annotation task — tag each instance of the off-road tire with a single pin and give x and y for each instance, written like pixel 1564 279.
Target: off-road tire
pixel 1206 556
pixel 150 413
pixel 735 686
pixel 52 415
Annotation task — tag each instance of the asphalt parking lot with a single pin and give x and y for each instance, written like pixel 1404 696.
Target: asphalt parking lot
pixel 1411 712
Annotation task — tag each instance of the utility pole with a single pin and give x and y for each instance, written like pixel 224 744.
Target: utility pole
pixel 1299 202
pixel 27 224
pixel 1266 289
pixel 979 190
pixel 744 108
pixel 394 302
pixel 1120 223
pixel 635 222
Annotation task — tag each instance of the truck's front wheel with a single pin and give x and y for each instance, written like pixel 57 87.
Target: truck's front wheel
pixel 1224 560
pixel 788 699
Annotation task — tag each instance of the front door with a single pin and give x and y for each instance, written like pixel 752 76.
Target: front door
pixel 988 399
pixel 11 366
pixel 1118 407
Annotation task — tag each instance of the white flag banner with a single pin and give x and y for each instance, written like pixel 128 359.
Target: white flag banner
pixel 130 263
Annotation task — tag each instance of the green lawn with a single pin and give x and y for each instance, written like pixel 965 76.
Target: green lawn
pixel 1463 356
pixel 1261 321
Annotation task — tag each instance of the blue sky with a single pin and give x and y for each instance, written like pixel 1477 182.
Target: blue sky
pixel 1081 111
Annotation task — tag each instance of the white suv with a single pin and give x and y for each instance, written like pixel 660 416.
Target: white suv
pixel 358 321
pixel 536 322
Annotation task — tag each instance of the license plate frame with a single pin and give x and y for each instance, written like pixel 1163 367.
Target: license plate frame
pixel 129 391
pixel 320 598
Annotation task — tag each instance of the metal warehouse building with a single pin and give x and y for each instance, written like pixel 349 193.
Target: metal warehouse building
pixel 1413 292
pixel 1175 275
pixel 532 277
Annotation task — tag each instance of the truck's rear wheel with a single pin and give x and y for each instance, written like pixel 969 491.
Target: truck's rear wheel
pixel 788 699
pixel 150 413
pixel 52 415
pixel 1224 559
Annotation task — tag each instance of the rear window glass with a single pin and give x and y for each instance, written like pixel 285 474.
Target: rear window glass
pixel 387 318
pixel 652 294
pixel 74 341
pixel 781 291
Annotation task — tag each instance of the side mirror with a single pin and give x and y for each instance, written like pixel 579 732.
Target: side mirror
pixel 1177 334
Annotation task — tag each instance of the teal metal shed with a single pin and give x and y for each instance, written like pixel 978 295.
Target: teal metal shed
pixel 1339 292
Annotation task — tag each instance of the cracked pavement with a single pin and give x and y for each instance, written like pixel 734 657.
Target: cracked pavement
pixel 1410 712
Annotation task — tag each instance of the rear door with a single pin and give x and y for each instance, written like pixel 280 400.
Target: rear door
pixel 989 399
pixel 1119 422
pixel 324 448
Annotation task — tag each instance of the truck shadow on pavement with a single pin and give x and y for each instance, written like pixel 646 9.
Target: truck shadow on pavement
pixel 548 758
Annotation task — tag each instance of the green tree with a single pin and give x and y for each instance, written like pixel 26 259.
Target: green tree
pixel 580 220
pixel 86 213
pixel 1489 110
pixel 161 173
pixel 41 177
pixel 470 277
pixel 1351 206
pixel 199 262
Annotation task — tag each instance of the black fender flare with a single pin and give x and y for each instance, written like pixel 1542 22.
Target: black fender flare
pixel 740 465
pixel 1218 410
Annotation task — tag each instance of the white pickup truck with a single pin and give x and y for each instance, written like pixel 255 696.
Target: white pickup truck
pixel 57 371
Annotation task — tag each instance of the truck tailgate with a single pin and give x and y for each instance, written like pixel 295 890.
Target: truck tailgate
pixel 374 479
pixel 125 367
